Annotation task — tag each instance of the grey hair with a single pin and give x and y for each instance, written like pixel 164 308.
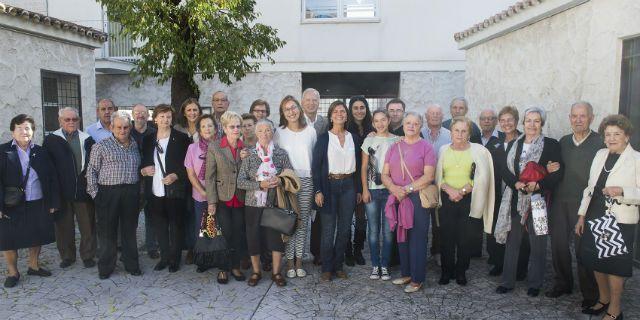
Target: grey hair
pixel 264 121
pixel 412 114
pixel 432 104
pixel 466 104
pixel 121 114
pixel 109 101
pixel 62 111
pixel 538 110
pixel 311 90
pixel 583 103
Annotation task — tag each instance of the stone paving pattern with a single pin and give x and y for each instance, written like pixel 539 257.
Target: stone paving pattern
pixel 77 293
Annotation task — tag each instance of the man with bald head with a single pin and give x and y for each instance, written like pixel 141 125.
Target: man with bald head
pixel 459 108
pixel 101 129
pixel 220 104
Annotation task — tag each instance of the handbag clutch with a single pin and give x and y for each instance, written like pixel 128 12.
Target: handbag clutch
pixel 607 234
pixel 533 172
pixel 15 196
pixel 211 248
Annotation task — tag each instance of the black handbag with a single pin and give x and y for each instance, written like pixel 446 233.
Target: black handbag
pixel 607 234
pixel 210 250
pixel 15 196
pixel 174 190
pixel 281 220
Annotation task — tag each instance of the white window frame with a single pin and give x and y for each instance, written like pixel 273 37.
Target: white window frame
pixel 305 20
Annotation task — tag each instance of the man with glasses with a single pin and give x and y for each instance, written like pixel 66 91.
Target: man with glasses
pixel 69 149
pixel 396 108
pixel 101 129
pixel 488 122
pixel 220 104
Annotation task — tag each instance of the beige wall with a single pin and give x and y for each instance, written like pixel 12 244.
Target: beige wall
pixel 574 55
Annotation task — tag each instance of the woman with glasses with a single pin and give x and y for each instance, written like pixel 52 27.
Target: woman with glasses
pixel 165 185
pixel 297 138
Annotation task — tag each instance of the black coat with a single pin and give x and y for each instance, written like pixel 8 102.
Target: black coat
pixel 11 175
pixel 173 161
pixel 72 187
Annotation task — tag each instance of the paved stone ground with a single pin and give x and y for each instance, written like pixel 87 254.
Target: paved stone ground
pixel 77 293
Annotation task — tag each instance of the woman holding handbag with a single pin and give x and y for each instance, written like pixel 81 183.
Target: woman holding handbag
pixel 614 176
pixel 258 176
pixel 409 167
pixel 466 181
pixel 530 151
pixel 165 185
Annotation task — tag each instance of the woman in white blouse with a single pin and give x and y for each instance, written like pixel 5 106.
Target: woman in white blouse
pixel 298 139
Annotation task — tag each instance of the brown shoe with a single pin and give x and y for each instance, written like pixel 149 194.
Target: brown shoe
pixel 341 274
pixel 254 279
pixel 279 280
pixel 325 276
pixel 188 260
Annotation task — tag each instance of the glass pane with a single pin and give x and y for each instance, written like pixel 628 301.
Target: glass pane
pixel 321 9
pixel 50 118
pixel 359 8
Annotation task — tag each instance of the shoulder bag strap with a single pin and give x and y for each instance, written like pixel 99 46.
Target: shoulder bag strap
pixel 26 176
pixel 164 174
pixel 403 165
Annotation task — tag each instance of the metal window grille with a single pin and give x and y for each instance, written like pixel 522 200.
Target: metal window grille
pixel 120 45
pixel 59 90
pixel 374 103
pixel 339 9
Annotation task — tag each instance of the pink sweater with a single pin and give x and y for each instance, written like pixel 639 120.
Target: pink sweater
pixel 402 216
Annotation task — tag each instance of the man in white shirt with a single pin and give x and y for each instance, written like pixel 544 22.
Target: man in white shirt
pixel 101 129
pixel 434 132
pixel 310 105
pixel 488 121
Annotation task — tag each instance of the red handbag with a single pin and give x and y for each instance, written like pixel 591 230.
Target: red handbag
pixel 533 172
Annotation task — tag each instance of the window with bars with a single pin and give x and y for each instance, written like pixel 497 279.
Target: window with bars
pixel 59 90
pixel 327 10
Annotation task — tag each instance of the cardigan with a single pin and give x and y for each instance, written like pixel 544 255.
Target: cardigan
pixel 625 174
pixel 248 173
pixel 320 165
pixel 72 185
pixel 483 194
pixel 173 161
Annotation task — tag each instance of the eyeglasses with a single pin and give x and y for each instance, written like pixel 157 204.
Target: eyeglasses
pixel 71 119
pixel 159 147
pixel 287 110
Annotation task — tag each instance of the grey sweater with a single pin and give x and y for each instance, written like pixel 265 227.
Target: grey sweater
pixel 577 161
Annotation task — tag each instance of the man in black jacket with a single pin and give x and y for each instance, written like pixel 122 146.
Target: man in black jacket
pixel 69 149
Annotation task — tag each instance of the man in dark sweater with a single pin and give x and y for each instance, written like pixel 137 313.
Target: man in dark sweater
pixel 578 150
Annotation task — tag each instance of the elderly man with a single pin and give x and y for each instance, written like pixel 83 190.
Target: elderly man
pixel 310 103
pixel 220 104
pixel 69 150
pixel 101 129
pixel 141 129
pixel 578 150
pixel 396 108
pixel 113 177
pixel 260 109
pixel 459 108
pixel 488 122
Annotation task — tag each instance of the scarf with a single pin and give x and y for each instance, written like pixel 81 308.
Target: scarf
pixel 402 217
pixel 204 147
pixel 266 171
pixel 503 224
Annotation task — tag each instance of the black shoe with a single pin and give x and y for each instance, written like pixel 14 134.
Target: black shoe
pixel 89 263
pixel 503 290
pixel 556 292
pixel 201 269
pixel 66 263
pixel 316 261
pixel 461 279
pixel 11 281
pixel 174 268
pixel 533 292
pixel 222 278
pixel 160 266
pixel 595 312
pixel 495 271
pixel 521 276
pixel 241 277
pixel 104 276
pixel 153 254
pixel 348 260
pixel 359 258
pixel 586 303
pixel 444 279
pixel 41 272
pixel 135 273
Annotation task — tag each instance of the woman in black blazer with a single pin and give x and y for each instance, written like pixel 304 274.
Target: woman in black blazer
pixel 163 156
pixel 28 224
pixel 516 201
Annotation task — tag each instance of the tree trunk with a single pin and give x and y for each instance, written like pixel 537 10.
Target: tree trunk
pixel 183 87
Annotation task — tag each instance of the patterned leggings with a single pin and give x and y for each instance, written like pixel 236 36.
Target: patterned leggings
pixel 295 246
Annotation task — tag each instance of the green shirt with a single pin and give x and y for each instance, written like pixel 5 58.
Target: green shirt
pixel 379 147
pixel 456 167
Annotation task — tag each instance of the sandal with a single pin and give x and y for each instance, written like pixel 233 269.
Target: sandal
pixel 612 317
pixel 594 312
pixel 254 279
pixel 222 277
pixel 279 280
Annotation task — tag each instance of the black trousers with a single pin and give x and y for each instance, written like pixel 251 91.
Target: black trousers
pixel 455 226
pixel 168 220
pixel 316 235
pixel 231 222
pixel 476 237
pixel 435 234
pixel 117 206
pixel 359 232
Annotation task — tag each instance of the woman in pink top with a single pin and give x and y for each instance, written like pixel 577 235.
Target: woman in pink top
pixel 404 208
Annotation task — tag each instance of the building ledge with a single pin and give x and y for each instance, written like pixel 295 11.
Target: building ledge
pixel 113 66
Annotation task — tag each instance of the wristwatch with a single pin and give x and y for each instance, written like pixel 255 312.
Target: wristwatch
pixel 409 187
pixel 464 191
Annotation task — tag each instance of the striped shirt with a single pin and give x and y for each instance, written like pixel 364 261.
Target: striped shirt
pixel 112 163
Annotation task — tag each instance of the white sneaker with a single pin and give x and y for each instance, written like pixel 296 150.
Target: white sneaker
pixel 375 273
pixel 301 273
pixel 385 274
pixel 291 273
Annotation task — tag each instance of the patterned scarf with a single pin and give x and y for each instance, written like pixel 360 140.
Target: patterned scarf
pixel 266 170
pixel 204 147
pixel 503 224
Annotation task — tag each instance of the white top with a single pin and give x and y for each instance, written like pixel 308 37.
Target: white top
pixel 158 186
pixel 299 146
pixel 342 160
pixel 525 149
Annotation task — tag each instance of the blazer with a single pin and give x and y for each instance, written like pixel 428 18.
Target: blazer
pixel 320 125
pixel 320 165
pixel 11 175
pixel 173 160
pixel 625 174
pixel 550 152
pixel 72 186
pixel 221 174
pixel 249 169
pixel 483 194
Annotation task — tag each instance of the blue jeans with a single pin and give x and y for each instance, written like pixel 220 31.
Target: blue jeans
pixel 336 216
pixel 377 224
pixel 413 252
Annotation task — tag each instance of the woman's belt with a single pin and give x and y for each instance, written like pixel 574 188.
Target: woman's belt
pixel 339 176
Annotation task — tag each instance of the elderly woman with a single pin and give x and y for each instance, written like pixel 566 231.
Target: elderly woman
pixel 165 185
pixel 297 139
pixel 258 177
pixel 409 166
pixel 225 197
pixel 515 214
pixel 195 164
pixel 28 222
pixel 336 182
pixel 614 175
pixel 466 182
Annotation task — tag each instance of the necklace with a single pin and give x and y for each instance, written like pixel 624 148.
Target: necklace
pixel 607 170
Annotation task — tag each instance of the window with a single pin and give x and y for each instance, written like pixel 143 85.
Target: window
pixel 119 44
pixel 336 10
pixel 59 90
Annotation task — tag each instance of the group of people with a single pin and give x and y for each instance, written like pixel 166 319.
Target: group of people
pixel 396 172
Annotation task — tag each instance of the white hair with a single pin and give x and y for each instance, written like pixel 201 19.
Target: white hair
pixel 311 90
pixel 121 114
pixel 538 110
pixel 264 122
pixel 412 114
pixel 63 110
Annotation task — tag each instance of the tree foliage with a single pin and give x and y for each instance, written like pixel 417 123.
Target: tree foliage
pixel 179 38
